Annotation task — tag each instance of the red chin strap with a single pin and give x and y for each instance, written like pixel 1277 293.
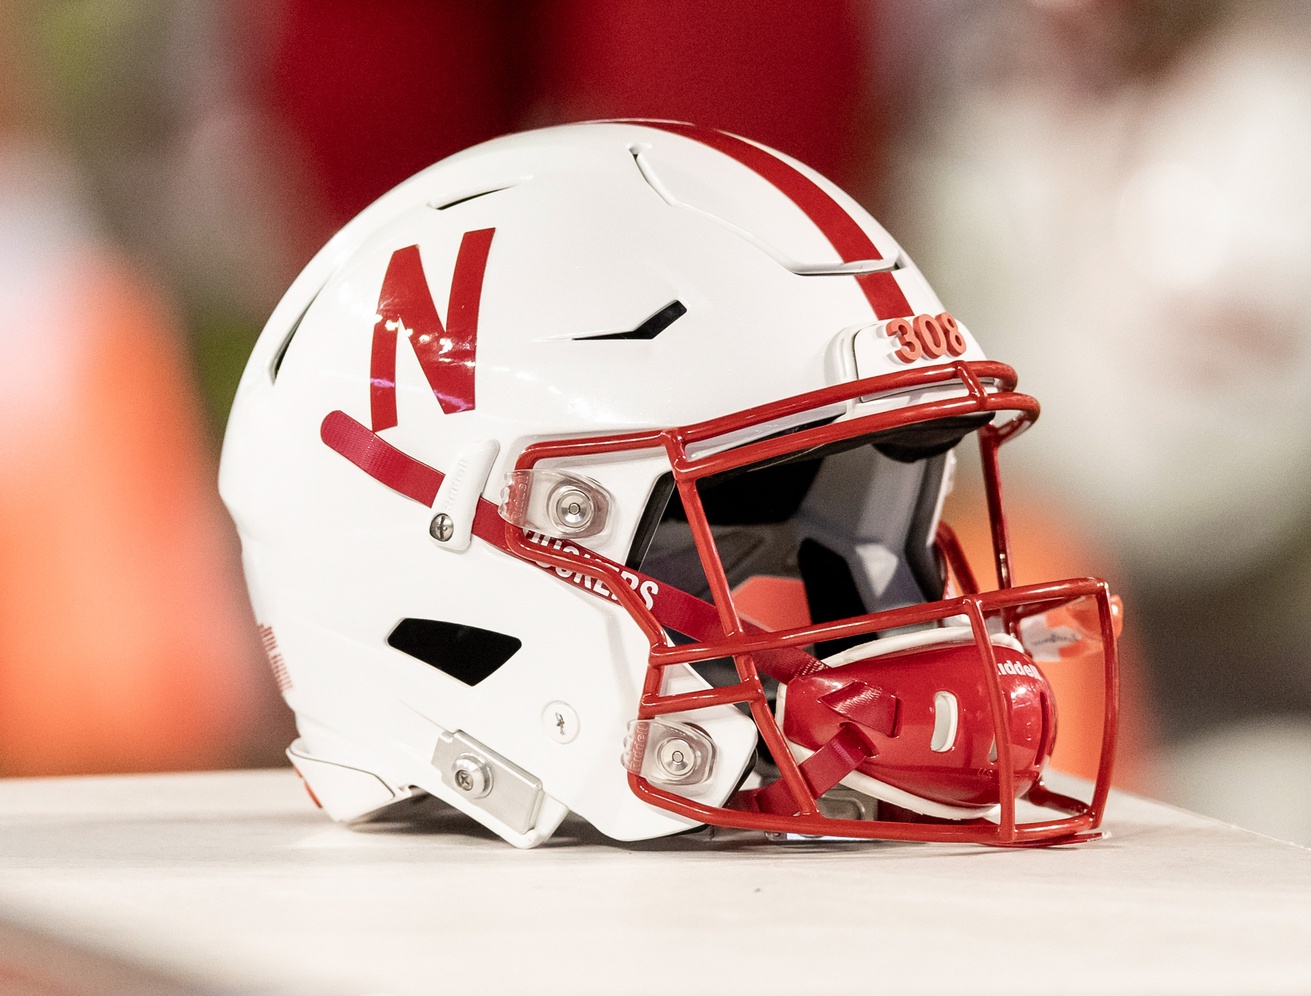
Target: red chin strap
pixel 842 755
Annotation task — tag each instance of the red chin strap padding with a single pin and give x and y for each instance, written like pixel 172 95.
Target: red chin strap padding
pixel 842 755
pixel 871 707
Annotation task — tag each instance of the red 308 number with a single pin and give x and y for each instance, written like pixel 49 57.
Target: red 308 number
pixel 926 336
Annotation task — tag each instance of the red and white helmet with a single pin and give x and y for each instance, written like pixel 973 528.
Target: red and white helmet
pixel 518 444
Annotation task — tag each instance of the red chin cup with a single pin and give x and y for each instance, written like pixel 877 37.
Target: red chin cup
pixel 925 715
pixel 872 724
pixel 874 716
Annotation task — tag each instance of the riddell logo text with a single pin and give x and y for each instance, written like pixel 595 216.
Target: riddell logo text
pixel 647 588
pixel 1012 667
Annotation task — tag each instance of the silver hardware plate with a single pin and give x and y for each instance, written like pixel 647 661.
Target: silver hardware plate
pixel 515 796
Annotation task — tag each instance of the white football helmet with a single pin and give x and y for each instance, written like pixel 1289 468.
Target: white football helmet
pixel 516 442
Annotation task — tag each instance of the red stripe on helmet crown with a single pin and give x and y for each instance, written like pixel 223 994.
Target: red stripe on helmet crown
pixel 846 236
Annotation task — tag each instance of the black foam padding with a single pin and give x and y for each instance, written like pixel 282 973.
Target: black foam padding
pixel 928 439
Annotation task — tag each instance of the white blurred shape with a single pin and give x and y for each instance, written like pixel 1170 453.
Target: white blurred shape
pixel 1142 253
pixel 1251 774
pixel 43 226
pixel 1174 224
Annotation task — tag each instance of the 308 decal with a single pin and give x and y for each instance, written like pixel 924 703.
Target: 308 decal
pixel 926 336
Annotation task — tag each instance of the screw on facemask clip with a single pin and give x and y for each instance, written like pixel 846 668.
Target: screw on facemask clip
pixel 555 503
pixel 456 504
pixel 668 753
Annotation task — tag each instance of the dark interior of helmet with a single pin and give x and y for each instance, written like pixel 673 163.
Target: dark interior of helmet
pixel 841 530
pixel 852 522
pixel 848 528
pixel 831 591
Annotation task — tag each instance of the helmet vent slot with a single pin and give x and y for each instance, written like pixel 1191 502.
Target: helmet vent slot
pixel 466 653
pixel 276 365
pixel 946 717
pixel 468 197
pixel 650 328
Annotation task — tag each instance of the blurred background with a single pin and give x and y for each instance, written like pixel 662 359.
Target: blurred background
pixel 1115 195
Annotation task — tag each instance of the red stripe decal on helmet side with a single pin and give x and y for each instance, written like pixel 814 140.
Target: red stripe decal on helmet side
pixel 382 374
pixel 399 471
pixel 882 291
pixel 380 459
pixel 459 359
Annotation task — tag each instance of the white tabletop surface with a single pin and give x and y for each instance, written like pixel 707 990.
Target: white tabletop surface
pixel 232 882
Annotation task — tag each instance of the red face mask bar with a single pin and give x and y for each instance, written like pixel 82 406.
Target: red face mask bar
pixel 790 805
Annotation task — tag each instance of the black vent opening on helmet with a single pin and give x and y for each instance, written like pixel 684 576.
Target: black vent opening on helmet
pixel 650 328
pixel 466 653
pixel 466 198
pixel 281 353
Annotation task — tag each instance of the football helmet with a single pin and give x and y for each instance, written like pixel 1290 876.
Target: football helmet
pixel 600 469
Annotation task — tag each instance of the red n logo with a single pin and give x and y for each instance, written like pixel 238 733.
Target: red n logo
pixel 447 354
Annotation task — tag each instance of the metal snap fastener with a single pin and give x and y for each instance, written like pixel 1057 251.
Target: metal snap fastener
pixel 676 757
pixel 572 508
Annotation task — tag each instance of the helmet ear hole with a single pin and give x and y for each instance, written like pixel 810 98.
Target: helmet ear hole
pixel 466 653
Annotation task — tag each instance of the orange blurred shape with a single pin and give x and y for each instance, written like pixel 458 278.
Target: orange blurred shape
pixel 1069 632
pixel 124 642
